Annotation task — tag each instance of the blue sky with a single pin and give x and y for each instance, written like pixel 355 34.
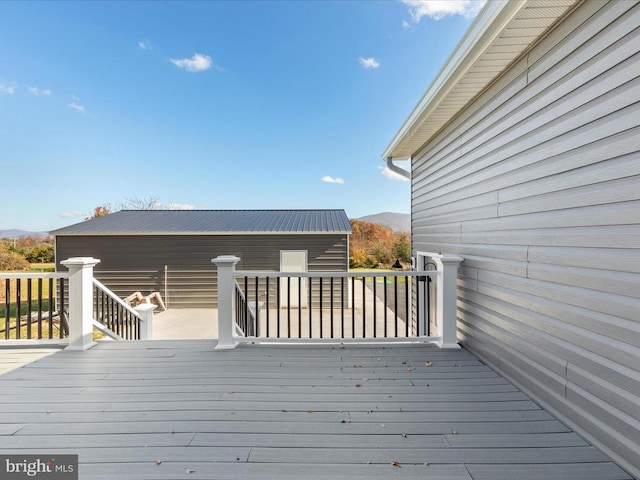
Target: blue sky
pixel 211 105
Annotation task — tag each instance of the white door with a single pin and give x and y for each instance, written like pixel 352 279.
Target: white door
pixel 293 291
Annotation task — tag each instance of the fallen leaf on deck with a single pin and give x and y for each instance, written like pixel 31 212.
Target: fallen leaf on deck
pixel 428 364
pixel 454 432
pixel 310 411
pixel 358 385
pixel 396 464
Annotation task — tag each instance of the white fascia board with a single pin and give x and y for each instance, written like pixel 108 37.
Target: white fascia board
pixel 487 26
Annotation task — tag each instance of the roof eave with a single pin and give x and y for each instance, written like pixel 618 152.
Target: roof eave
pixel 490 23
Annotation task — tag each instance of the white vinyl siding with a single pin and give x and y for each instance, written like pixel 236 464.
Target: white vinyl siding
pixel 537 185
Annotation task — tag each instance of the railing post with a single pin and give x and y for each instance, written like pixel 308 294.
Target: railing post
pixel 447 299
pixel 226 300
pixel 80 302
pixel 145 310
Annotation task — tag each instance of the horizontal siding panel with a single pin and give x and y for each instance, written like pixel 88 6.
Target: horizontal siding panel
pixel 576 344
pixel 613 158
pixel 543 170
pixel 625 425
pixel 511 267
pixel 619 398
pixel 623 330
pixel 538 346
pixel 461 215
pixel 618 283
pixel 557 153
pixel 605 192
pixel 619 306
pixel 486 199
pixel 627 213
pixel 620 260
pixel 602 237
pixel 491 325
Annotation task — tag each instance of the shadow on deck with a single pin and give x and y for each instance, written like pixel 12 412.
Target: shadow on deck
pixel 179 409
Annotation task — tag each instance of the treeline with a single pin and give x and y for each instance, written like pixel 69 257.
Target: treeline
pixel 374 246
pixel 19 253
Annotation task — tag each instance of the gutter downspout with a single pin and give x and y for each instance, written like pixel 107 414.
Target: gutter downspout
pixel 396 169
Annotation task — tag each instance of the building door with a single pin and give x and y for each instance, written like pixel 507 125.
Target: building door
pixel 293 290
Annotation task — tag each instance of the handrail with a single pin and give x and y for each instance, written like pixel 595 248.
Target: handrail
pixel 380 273
pixel 115 315
pixel 36 275
pixel 117 299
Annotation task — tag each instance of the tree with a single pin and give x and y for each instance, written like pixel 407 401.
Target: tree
pixel 135 203
pixel 100 211
pixel 372 245
pixel 11 260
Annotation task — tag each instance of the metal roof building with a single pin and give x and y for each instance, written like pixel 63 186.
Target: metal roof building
pixel 170 251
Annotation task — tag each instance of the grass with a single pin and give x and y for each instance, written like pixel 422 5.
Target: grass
pixel 43 267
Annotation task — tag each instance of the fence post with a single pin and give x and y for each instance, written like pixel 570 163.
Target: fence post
pixel 145 310
pixel 447 299
pixel 80 302
pixel 226 265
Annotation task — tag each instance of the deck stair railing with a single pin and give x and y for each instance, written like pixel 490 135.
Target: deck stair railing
pixel 112 316
pixel 67 307
pixel 337 306
pixel 245 320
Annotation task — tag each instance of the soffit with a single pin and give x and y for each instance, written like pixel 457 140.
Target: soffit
pixel 501 33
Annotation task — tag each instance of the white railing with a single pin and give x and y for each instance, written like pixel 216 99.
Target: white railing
pixel 81 299
pixel 337 306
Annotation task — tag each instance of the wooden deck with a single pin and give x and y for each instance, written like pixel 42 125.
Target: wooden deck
pixel 179 409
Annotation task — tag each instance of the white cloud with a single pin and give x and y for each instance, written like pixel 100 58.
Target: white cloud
pixel 197 63
pixel 438 9
pixel 179 206
pixel 390 174
pixel 39 91
pixel 7 89
pixel 144 44
pixel 76 106
pixel 369 62
pixel 330 179
pixel 72 214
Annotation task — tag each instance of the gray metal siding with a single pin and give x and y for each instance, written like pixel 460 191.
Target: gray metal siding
pixel 537 186
pixel 137 263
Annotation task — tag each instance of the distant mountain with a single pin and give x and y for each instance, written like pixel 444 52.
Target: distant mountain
pixel 400 222
pixel 14 233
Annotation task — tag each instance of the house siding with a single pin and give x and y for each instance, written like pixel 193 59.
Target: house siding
pixel 537 185
pixel 179 266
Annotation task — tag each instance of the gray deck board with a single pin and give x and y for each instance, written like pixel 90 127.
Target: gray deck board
pixel 167 410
